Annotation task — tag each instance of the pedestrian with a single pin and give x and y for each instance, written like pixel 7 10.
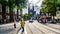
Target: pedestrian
pixel 14 24
pixel 22 24
pixel 44 19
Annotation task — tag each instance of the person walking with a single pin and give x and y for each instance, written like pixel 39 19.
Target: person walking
pixel 44 19
pixel 14 23
pixel 22 24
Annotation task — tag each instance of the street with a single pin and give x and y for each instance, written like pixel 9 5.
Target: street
pixel 38 28
pixel 29 16
pixel 31 28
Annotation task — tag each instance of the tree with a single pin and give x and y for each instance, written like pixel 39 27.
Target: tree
pixel 20 4
pixel 25 16
pixel 43 7
pixel 11 4
pixel 58 4
pixel 51 5
pixel 3 3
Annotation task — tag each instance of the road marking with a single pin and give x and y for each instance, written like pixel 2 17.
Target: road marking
pixel 25 30
pixel 57 31
pixel 53 26
pixel 52 29
pixel 19 32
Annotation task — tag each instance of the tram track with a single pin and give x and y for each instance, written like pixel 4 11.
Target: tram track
pixel 52 27
pixel 29 29
pixel 39 29
pixel 36 31
pixel 48 29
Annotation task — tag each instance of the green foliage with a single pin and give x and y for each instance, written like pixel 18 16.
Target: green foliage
pixel 58 4
pixel 20 4
pixel 25 16
pixel 51 7
pixel 42 9
pixel 11 3
pixel 31 14
pixel 3 2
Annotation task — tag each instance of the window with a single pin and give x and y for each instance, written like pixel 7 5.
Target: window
pixel 15 10
pixel 58 13
pixel 7 9
pixel 0 17
pixel 7 17
pixel 0 8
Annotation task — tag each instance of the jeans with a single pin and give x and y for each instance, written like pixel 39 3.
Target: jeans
pixel 22 29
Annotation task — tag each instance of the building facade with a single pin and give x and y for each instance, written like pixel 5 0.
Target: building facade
pixel 0 13
pixel 5 16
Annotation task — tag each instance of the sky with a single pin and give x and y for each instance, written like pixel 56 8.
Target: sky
pixel 35 3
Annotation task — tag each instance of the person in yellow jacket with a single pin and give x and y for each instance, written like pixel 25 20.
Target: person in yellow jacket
pixel 22 24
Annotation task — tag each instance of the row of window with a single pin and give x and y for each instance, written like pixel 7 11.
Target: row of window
pixel 58 13
pixel 7 17
pixel 0 8
pixel 7 9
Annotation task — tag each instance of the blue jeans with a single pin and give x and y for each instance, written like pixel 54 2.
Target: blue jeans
pixel 22 29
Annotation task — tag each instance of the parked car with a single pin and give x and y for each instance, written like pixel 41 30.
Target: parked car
pixel 54 21
pixel 43 20
pixel 31 20
pixel 49 19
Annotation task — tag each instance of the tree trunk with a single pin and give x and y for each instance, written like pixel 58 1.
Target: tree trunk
pixel 17 13
pixel 4 14
pixel 48 14
pixel 28 14
pixel 11 14
pixel 21 13
pixel 52 17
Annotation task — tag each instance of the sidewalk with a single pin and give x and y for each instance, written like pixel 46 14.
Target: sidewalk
pixel 15 31
pixel 9 28
pixel 6 24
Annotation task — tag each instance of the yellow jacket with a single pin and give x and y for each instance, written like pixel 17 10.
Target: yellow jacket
pixel 22 23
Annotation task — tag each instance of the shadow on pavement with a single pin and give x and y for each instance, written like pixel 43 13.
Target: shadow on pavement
pixel 19 29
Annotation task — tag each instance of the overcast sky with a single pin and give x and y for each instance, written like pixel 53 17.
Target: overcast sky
pixel 36 3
